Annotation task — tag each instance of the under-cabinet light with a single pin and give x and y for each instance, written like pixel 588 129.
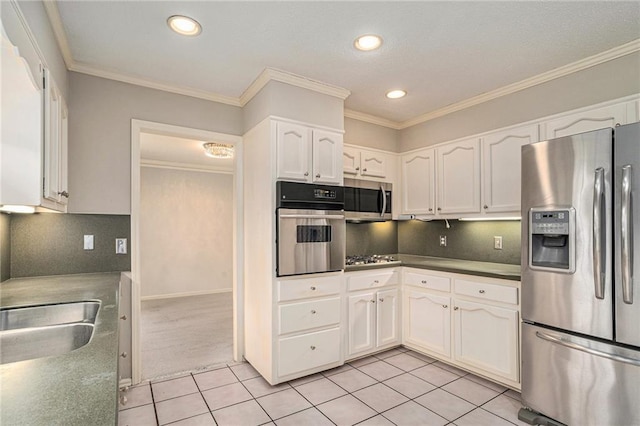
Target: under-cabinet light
pixel 8 208
pixel 486 219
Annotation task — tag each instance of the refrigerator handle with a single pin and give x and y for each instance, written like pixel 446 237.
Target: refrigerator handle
pixel 626 236
pixel 384 201
pixel 598 194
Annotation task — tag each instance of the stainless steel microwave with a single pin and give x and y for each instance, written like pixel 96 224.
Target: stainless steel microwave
pixel 367 201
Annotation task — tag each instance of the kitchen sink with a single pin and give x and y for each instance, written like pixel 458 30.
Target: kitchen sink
pixel 45 330
pixel 46 315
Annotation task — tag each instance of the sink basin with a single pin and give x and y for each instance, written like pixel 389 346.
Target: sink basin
pixel 45 315
pixel 37 342
pixel 32 332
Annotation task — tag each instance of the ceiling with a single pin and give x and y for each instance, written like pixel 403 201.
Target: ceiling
pixel 172 151
pixel 441 53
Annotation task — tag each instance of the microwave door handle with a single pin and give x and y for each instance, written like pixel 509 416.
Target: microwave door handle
pixel 598 191
pixel 626 236
pixel 384 201
pixel 311 216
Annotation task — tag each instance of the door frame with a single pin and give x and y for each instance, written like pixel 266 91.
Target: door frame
pixel 141 126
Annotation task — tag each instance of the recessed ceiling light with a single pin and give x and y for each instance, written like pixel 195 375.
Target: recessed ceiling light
pixel 184 25
pixel 368 42
pixel 395 94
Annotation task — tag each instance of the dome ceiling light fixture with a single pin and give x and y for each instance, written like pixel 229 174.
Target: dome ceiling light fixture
pixel 368 42
pixel 217 150
pixel 396 94
pixel 184 25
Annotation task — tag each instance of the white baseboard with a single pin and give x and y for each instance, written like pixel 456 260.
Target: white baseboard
pixel 191 293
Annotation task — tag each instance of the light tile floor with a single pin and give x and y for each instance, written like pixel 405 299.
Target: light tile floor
pixel 396 387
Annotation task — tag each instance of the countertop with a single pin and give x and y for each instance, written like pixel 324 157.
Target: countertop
pixel 77 388
pixel 470 267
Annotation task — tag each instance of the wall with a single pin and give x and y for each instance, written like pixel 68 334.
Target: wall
pixel 372 238
pixel 465 240
pixel 100 114
pixel 295 103
pixel 603 82
pixel 52 244
pixel 186 232
pixel 369 135
pixel 5 247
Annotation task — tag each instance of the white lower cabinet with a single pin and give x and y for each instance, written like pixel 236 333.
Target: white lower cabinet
pixel 308 351
pixel 427 321
pixel 374 314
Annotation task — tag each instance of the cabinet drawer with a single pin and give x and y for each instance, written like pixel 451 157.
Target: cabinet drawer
pixel 300 353
pixel 308 287
pixel 495 292
pixel 308 315
pixel 431 282
pixel 372 280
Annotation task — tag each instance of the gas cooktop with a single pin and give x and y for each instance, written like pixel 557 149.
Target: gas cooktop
pixel 370 259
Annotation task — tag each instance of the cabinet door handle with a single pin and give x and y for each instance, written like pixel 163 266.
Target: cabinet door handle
pixel 455 308
pixel 445 306
pixel 376 282
pixel 381 300
pixel 430 209
pixel 364 170
pixel 313 311
pixel 123 354
pixel 124 317
pixel 357 168
pixel 439 209
pixel 481 291
pixel 318 176
pixel 313 348
pixel 306 173
pixel 313 288
pixel 486 206
pixel 373 301
pixel 424 281
pixel 64 194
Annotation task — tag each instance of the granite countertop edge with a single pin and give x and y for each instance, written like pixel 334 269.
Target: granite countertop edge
pixel 76 388
pixel 468 267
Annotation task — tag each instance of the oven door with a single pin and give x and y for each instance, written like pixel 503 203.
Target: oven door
pixel 310 241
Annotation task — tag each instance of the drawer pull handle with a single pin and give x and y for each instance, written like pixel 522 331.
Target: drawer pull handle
pixel 381 300
pixel 318 176
pixel 313 348
pixel 306 173
pixel 357 168
pixel 313 288
pixel 455 308
pixel 445 306
pixel 481 291
pixel 376 282
pixel 124 317
pixel 364 170
pixel 424 281
pixel 313 311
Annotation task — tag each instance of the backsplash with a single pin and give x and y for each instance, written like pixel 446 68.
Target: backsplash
pixel 52 244
pixel 372 238
pixel 465 240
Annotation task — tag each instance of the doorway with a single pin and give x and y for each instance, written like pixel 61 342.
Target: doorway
pixel 186 267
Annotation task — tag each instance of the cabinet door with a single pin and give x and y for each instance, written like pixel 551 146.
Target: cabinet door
pixel 327 157
pixel 427 321
pixel 486 337
pixel 594 119
pixel 350 161
pixel 361 323
pixel 458 166
pixel 387 317
pixel 63 169
pixel 501 168
pixel 418 183
pixel 374 164
pixel 293 151
pixel 52 138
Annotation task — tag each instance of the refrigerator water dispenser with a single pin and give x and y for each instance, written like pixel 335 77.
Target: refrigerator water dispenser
pixel 552 240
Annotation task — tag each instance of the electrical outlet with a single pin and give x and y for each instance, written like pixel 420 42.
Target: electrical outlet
pixel 497 243
pixel 443 240
pixel 121 246
pixel 88 242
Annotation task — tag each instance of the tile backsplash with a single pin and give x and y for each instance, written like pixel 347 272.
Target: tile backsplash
pixel 52 244
pixel 372 238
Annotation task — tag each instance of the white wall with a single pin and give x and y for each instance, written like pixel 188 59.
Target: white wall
pixel 100 113
pixel 186 231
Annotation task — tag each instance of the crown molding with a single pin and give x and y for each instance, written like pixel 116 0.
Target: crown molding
pixel 51 7
pixel 117 76
pixel 272 74
pixel 172 165
pixel 373 119
pixel 608 55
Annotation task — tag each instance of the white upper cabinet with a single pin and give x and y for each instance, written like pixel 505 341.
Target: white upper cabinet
pixel 308 155
pixel 501 168
pixel 418 182
pixel 458 171
pixel 55 144
pixel 590 119
pixel 363 164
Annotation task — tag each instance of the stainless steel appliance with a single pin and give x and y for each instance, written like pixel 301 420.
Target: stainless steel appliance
pixel 310 228
pixel 580 278
pixel 367 201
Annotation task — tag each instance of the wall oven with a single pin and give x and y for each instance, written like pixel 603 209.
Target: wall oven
pixel 367 201
pixel 310 228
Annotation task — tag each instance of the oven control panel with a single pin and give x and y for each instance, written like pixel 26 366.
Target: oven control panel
pixel 324 194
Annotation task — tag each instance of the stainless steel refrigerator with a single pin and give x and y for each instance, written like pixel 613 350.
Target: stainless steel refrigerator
pixel 581 278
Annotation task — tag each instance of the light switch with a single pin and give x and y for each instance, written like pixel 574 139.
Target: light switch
pixel 121 246
pixel 88 242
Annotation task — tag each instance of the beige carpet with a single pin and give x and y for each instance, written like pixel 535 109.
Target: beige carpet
pixel 186 334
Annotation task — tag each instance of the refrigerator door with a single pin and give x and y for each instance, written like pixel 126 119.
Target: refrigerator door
pixel 571 175
pixel 627 245
pixel 579 381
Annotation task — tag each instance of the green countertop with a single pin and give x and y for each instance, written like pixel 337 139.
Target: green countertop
pixel 77 388
pixel 470 267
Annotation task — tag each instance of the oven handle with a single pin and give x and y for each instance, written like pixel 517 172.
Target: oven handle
pixel 312 216
pixel 384 200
